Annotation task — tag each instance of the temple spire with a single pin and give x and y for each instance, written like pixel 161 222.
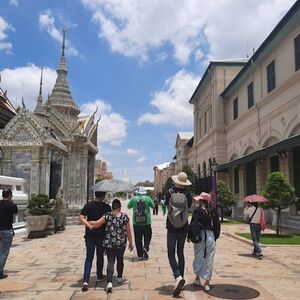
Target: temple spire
pixel 62 63
pixel 61 97
pixel 39 109
pixel 41 83
pixel 63 44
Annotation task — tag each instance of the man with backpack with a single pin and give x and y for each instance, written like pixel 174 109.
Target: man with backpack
pixel 178 200
pixel 141 204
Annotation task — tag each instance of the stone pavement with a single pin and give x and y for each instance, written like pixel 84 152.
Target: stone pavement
pixel 51 268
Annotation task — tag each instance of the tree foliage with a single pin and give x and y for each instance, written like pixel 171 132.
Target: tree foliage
pixel 40 205
pixel 280 193
pixel 168 185
pixel 224 197
pixel 98 179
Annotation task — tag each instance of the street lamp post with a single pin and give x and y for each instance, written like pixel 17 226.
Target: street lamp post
pixel 213 164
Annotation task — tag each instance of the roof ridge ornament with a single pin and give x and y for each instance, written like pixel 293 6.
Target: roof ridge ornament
pixel 41 81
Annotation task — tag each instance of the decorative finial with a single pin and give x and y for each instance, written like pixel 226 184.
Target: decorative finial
pixel 63 44
pixel 41 82
pixel 23 104
pixel 94 113
pixel 98 120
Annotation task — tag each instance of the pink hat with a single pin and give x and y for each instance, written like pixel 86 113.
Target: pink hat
pixel 203 196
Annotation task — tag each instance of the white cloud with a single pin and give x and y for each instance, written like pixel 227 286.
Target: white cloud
pixel 130 29
pixel 135 27
pixel 173 101
pixel 239 27
pixel 112 126
pixel 132 151
pixel 25 82
pixel 14 2
pixel 47 22
pixel 4 27
pixel 141 159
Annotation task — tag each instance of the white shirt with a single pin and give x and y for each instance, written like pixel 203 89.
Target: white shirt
pixel 248 211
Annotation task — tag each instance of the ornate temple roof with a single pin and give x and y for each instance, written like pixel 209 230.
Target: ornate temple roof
pixel 61 97
pixel 7 111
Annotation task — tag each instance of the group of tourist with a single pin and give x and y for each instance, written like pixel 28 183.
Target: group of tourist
pixel 108 230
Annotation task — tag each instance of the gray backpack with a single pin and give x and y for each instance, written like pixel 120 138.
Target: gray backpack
pixel 178 210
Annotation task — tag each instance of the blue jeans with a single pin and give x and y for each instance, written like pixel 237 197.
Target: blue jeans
pixel 93 244
pixel 176 240
pixel 6 237
pixel 255 235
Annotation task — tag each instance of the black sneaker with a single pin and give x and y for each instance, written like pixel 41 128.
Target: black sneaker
pixel 2 276
pixel 101 278
pixel 178 286
pixel 85 287
pixel 145 254
pixel 260 256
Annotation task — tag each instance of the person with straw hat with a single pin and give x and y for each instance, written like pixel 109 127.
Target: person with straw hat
pixel 178 199
pixel 204 250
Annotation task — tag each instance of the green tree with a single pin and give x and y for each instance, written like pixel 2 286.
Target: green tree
pixel 169 184
pixel 280 193
pixel 98 179
pixel 40 205
pixel 192 177
pixel 224 197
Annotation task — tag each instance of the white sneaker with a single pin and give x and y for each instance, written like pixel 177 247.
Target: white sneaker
pixel 206 287
pixel 121 280
pixel 197 281
pixel 178 286
pixel 109 287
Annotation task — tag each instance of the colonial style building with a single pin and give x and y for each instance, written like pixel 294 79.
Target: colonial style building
pixel 161 174
pixel 262 113
pixel 247 118
pixel 101 170
pixel 52 147
pixel 209 134
pixel 182 150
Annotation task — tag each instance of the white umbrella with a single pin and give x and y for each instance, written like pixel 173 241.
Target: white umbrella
pixel 114 186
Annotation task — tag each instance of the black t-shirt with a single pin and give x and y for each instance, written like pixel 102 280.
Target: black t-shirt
pixel 7 211
pixel 189 198
pixel 94 210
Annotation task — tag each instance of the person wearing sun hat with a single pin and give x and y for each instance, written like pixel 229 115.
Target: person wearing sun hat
pixel 176 234
pixel 204 251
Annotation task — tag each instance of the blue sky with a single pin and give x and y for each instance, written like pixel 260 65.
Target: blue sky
pixel 139 61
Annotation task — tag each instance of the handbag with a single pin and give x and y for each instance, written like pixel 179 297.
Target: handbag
pixel 250 219
pixel 262 221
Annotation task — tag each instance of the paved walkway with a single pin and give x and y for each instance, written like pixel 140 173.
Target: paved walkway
pixel 51 268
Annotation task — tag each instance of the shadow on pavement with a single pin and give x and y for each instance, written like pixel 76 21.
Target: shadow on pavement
pixel 230 291
pixel 166 290
pixel 246 255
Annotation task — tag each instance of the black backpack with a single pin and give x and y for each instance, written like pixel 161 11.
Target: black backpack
pixel 141 214
pixel 194 231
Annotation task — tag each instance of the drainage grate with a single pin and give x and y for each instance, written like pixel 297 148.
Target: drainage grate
pixel 230 291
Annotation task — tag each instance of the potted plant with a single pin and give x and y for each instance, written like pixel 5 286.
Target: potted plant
pixel 39 209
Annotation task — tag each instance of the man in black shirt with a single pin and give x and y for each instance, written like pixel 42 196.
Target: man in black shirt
pixel 7 211
pixel 93 211
pixel 176 236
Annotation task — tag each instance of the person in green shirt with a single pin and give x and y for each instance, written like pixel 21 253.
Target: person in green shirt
pixel 141 204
